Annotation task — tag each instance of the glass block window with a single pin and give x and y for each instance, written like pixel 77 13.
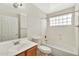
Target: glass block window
pixel 61 20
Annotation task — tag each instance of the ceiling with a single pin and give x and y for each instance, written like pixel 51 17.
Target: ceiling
pixel 53 7
pixel 45 7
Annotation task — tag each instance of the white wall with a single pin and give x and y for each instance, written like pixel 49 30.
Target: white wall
pixel 34 21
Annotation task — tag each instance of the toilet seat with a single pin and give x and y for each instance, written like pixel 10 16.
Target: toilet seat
pixel 44 49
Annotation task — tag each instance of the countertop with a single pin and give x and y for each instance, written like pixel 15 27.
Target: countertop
pixel 9 49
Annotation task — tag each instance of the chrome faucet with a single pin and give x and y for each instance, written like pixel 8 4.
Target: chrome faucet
pixel 17 42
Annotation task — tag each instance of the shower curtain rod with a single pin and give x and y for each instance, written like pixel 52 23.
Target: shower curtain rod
pixel 62 13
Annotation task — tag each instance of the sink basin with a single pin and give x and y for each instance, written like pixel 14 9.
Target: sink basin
pixel 8 48
pixel 18 47
pixel 14 48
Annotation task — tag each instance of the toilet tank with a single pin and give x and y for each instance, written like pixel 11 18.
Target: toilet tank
pixel 36 39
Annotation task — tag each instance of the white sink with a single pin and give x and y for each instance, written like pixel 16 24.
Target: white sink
pixel 14 48
pixel 9 49
pixel 19 46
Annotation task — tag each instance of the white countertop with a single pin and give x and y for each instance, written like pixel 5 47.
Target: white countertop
pixel 9 49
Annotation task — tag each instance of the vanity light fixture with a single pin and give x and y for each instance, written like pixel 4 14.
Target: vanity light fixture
pixel 16 5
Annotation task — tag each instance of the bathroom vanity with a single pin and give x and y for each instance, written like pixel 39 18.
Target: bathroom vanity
pixel 25 47
pixel 30 52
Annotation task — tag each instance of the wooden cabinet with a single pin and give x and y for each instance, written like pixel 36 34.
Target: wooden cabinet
pixel 30 52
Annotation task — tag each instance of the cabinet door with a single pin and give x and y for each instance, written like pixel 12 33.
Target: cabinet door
pixel 32 51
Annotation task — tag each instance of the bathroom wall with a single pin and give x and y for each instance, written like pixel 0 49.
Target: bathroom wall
pixel 33 16
pixel 77 25
pixel 63 39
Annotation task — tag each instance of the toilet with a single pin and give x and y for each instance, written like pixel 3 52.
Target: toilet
pixel 42 48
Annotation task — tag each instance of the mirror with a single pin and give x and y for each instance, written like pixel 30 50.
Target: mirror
pixel 12 27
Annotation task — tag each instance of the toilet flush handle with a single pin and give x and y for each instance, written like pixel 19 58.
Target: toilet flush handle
pixel 45 39
pixel 45 36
